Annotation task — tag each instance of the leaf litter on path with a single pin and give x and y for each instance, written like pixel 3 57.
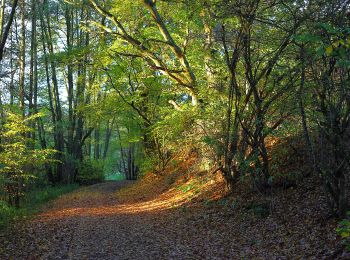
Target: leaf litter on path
pixel 108 221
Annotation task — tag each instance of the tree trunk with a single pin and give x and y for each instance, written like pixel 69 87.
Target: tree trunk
pixel 22 60
pixel 6 30
pixel 55 102
pixel 108 138
pixel 311 152
pixel 97 143
pixel 33 77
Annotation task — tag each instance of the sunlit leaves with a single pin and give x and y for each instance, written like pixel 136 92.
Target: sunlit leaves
pixel 327 40
pixel 18 161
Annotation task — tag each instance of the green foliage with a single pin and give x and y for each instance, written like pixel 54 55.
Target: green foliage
pixel 37 197
pixel 343 230
pixel 193 186
pixel 172 131
pixel 329 41
pixel 149 163
pixel 115 177
pixel 18 161
pixel 186 187
pixel 329 59
pixel 90 172
pixel 32 202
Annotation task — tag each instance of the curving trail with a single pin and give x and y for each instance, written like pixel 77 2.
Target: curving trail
pixel 91 223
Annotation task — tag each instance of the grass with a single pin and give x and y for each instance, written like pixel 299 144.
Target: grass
pixel 31 203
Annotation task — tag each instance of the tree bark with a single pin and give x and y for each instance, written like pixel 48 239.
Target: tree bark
pixel 6 30
pixel 22 60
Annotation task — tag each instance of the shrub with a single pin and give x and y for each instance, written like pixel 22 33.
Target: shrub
pixel 18 161
pixel 90 172
pixel 344 231
pixel 31 203
pixel 6 213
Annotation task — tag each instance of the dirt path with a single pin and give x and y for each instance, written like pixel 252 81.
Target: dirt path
pixel 91 223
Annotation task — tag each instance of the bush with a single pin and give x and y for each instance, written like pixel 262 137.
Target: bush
pixel 6 213
pixel 18 161
pixel 42 195
pixel 31 203
pixel 149 163
pixel 344 231
pixel 90 172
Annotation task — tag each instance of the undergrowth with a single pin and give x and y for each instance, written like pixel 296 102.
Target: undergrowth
pixel 31 203
pixel 90 172
pixel 343 231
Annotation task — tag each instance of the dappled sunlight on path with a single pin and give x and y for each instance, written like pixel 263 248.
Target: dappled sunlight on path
pixel 170 199
pixel 143 221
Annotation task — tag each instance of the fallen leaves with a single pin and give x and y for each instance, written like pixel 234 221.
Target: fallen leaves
pixel 124 220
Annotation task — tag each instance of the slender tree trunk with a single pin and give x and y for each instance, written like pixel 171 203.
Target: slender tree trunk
pixel 208 45
pixel 108 138
pixel 71 112
pixel 122 152
pixel 87 148
pixel 56 103
pixel 42 139
pixel 97 143
pixel 83 40
pixel 22 60
pixel 12 86
pixel 5 30
pixel 311 152
pixel 2 115
pixel 33 82
pixel 2 18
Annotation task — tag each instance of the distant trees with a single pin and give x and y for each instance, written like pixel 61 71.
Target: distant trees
pixel 43 71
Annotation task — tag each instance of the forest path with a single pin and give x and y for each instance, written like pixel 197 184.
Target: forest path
pixel 97 222
pixel 90 223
